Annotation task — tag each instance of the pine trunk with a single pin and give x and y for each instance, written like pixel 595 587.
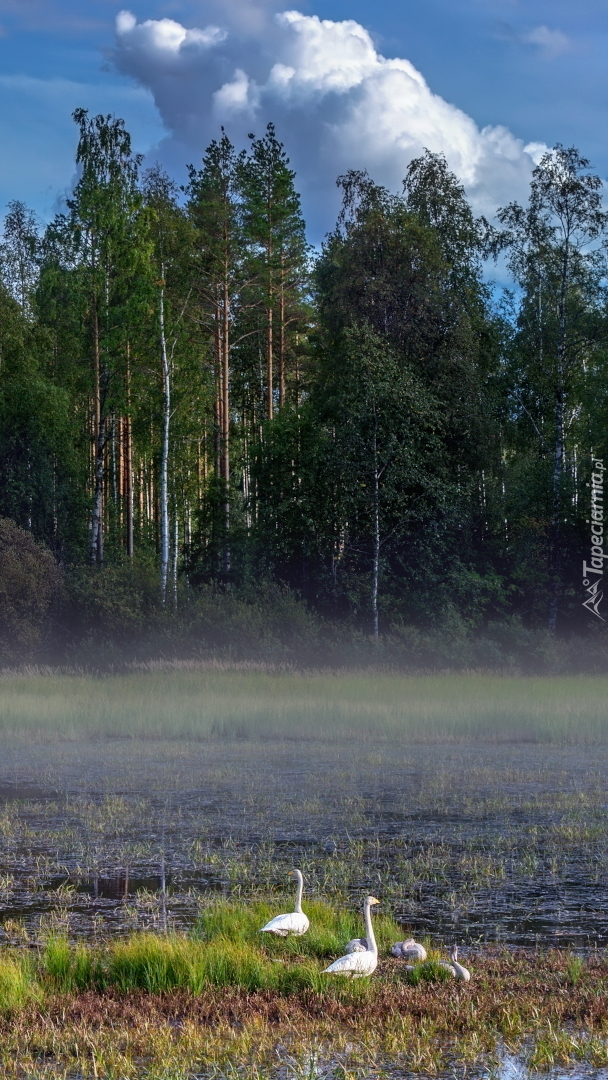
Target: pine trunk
pixel 376 543
pixel 96 548
pixel 164 457
pixel 226 419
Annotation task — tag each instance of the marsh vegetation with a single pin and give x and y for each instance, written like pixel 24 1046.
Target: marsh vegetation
pixel 148 822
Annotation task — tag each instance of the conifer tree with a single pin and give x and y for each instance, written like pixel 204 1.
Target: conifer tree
pixel 274 229
pixel 101 228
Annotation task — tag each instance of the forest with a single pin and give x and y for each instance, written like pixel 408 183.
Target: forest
pixel 214 436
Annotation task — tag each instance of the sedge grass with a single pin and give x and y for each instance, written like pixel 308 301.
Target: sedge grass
pixel 329 929
pixel 253 704
pixel 225 949
pixel 19 985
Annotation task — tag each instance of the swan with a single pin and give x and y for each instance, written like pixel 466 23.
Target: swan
pixel 454 968
pixel 409 950
pixel 358 944
pixel 360 961
pixel 296 921
pixel 459 971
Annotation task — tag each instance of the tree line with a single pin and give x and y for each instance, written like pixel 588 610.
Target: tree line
pixel 186 386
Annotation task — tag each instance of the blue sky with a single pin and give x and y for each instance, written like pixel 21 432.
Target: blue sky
pixel 537 69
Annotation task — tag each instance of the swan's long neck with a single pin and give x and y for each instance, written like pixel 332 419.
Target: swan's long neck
pixel 369 930
pixel 298 906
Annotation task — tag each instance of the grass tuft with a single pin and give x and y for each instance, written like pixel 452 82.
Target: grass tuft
pixel 18 985
pixel 430 971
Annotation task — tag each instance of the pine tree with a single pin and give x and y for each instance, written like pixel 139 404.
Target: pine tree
pixel 102 230
pixel 274 228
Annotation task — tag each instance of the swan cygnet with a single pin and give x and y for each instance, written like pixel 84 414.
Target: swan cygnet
pixel 360 961
pixel 409 950
pixel 295 922
pixel 357 944
pixel 456 969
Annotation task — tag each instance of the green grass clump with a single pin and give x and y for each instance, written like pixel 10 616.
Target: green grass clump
pixel 152 963
pixel 328 934
pixel 156 963
pixel 18 984
pixel 431 971
pixel 69 969
pixel 225 949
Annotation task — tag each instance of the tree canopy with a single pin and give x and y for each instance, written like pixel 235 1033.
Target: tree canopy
pixel 184 384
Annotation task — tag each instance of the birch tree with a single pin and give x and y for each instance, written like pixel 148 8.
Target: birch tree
pixel 19 254
pixel 555 251
pixel 381 429
pixel 168 232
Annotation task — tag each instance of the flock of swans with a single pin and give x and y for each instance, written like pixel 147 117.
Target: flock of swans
pixel 361 954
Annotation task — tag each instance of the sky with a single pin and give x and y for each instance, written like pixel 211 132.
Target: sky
pixel 348 83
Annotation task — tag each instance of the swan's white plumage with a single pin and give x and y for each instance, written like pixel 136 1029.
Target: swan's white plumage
pixel 359 962
pixel 460 972
pixel 294 922
pixel 409 950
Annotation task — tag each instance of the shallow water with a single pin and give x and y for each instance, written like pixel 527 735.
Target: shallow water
pixel 462 842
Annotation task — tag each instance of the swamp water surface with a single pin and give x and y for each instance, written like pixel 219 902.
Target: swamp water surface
pixel 495 843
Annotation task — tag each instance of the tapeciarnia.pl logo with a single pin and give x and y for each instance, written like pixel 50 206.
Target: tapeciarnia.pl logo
pixel 593 572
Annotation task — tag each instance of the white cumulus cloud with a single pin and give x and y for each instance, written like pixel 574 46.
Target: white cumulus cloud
pixel 336 101
pixel 163 38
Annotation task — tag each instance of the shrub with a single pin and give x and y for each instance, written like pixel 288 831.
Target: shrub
pixel 29 580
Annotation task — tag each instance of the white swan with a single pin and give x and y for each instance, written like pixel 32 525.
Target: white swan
pixel 359 962
pixel 296 922
pixel 459 971
pixel 454 968
pixel 409 950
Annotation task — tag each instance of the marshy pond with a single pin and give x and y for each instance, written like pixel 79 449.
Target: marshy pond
pixel 496 843
pixel 136 813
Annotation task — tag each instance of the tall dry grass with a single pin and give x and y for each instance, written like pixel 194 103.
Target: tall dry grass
pixel 252 704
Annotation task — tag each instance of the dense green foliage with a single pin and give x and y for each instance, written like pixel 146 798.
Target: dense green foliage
pixel 193 406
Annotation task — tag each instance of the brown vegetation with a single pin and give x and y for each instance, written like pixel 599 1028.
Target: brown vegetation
pixel 549 1006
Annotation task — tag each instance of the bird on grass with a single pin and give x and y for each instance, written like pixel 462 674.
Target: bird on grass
pixel 456 969
pixel 409 950
pixel 359 961
pixel 295 922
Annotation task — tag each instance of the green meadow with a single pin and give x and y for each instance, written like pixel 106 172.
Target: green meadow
pixel 256 704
